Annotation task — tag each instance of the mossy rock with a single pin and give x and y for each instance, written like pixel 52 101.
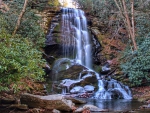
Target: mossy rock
pixel 97 68
pixel 61 64
pixel 98 34
pixel 57 40
pixel 56 34
pixel 57 28
pixel 71 73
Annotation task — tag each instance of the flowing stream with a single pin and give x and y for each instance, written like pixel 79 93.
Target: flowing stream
pixel 77 45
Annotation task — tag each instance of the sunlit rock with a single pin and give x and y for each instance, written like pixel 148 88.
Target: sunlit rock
pixel 56 111
pixel 91 108
pixel 89 88
pixel 71 73
pixel 67 84
pixel 62 64
pixel 74 100
pixel 47 102
pixel 77 89
pixel 94 108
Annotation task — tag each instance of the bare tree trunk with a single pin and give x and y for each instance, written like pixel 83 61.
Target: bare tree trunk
pixel 129 25
pixel 20 17
pixel 0 4
pixel 132 13
pixel 119 7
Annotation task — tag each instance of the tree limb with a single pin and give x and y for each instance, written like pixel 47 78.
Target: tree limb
pixel 20 17
pixel 129 25
pixel 132 13
pixel 0 4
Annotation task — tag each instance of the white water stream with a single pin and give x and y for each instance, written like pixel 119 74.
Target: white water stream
pixel 76 45
pixel 75 38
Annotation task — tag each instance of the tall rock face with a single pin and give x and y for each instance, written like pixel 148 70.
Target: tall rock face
pixel 58 45
pixel 47 15
pixel 69 37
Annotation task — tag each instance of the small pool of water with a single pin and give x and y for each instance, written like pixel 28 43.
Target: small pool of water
pixel 117 105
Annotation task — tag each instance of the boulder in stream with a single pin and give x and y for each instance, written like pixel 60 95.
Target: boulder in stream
pixel 71 73
pixel 90 108
pixel 47 102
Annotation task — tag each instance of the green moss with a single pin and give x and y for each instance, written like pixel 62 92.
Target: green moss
pixel 100 38
pixel 97 68
pixel 57 28
pixel 57 40
pixel 56 34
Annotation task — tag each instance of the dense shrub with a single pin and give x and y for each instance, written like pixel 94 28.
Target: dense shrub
pixel 19 59
pixel 30 23
pixel 99 8
pixel 21 55
pixel 136 65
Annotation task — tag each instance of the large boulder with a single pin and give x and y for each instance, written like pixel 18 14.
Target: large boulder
pixel 86 79
pixel 47 102
pixel 77 89
pixel 90 108
pixel 71 73
pixel 75 100
pixel 93 108
pixel 61 64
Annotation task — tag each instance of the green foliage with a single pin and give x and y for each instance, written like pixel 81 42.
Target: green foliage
pixel 18 60
pixel 137 64
pixel 142 24
pixel 53 2
pixel 30 24
pixel 20 55
pixel 38 4
pixel 100 8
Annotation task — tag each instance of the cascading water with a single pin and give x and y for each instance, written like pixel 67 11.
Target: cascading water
pixel 76 41
pixel 75 37
pixel 76 45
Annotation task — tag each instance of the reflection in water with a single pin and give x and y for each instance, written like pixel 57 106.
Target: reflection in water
pixel 114 105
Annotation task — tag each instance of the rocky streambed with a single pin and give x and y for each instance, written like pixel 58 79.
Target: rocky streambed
pixel 57 103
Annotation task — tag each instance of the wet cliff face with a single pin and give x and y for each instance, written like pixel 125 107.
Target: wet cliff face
pixel 47 15
pixel 62 40
pixel 54 40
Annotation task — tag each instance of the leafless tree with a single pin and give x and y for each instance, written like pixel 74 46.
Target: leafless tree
pixel 129 23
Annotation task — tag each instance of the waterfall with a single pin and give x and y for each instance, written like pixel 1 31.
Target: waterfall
pixel 76 47
pixel 76 42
